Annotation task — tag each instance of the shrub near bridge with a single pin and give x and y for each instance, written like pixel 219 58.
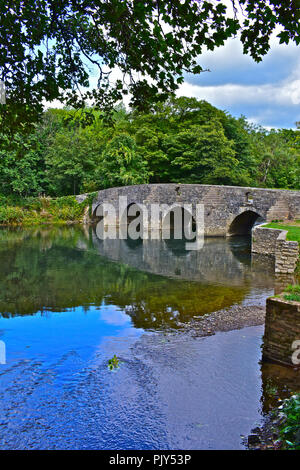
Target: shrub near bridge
pixel 41 210
pixel 11 215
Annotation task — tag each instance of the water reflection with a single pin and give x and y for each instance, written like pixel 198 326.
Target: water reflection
pixel 279 382
pixel 68 302
pixel 158 284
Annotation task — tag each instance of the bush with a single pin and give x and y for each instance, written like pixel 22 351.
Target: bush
pixel 70 213
pixel 11 215
pixel 290 431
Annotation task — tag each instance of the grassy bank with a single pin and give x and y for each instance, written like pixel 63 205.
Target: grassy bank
pixel 293 229
pixel 292 293
pixel 42 210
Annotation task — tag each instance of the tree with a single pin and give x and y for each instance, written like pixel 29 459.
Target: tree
pixel 122 164
pixel 277 157
pixel 22 167
pixel 71 159
pixel 170 135
pixel 48 48
pixel 204 154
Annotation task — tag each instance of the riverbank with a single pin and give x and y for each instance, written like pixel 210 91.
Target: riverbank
pixel 281 428
pixel 271 434
pixel 292 227
pixel 43 210
pixel 227 319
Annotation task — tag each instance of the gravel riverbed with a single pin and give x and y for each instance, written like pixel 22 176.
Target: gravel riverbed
pixel 234 318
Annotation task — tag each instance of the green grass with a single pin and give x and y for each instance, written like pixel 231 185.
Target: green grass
pixel 292 297
pixel 292 293
pixel 294 289
pixel 293 230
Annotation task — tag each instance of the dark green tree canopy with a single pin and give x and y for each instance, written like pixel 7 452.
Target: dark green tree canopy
pixel 182 140
pixel 49 47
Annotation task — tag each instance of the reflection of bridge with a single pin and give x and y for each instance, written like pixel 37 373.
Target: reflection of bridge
pixel 218 262
pixel 228 210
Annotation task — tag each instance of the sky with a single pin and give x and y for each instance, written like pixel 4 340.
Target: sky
pixel 267 93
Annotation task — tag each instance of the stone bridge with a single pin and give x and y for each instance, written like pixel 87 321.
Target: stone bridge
pixel 228 210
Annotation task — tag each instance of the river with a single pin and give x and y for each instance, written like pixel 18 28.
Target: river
pixel 69 302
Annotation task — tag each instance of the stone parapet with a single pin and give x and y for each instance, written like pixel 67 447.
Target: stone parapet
pixel 273 242
pixel 286 254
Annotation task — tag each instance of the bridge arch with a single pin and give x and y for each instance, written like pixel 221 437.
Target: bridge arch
pixel 133 211
pixel 179 213
pixel 222 204
pixel 243 223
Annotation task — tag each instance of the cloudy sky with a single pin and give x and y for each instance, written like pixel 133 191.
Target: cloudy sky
pixel 267 93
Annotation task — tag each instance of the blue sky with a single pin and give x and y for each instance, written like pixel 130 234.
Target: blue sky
pixel 267 93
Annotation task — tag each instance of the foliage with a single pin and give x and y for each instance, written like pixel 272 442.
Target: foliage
pixel 49 48
pixel 290 431
pixel 183 140
pixel 11 215
pixel 122 164
pixel 292 297
pixel 22 167
pixel 277 157
pixel 70 156
pixel 114 363
pixel 294 293
pixel 41 210
pixel 295 289
pixel 206 151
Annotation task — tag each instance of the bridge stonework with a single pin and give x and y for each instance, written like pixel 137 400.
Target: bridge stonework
pixel 228 210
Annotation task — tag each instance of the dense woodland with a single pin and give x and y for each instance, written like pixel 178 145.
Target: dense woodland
pixel 183 140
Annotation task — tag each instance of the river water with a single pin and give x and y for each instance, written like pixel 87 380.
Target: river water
pixel 69 302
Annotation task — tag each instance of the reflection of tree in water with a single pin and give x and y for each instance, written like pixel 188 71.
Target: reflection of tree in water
pixel 157 301
pixel 57 269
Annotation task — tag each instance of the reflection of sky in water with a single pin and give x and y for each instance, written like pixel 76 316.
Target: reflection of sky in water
pixel 111 316
pixel 172 390
pixel 65 331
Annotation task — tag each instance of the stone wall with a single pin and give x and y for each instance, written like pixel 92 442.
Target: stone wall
pixel 282 328
pixel 286 254
pixel 228 210
pixel 273 242
pixel 264 240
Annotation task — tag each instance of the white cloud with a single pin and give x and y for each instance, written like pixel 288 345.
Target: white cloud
pixel 286 93
pixel 267 93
